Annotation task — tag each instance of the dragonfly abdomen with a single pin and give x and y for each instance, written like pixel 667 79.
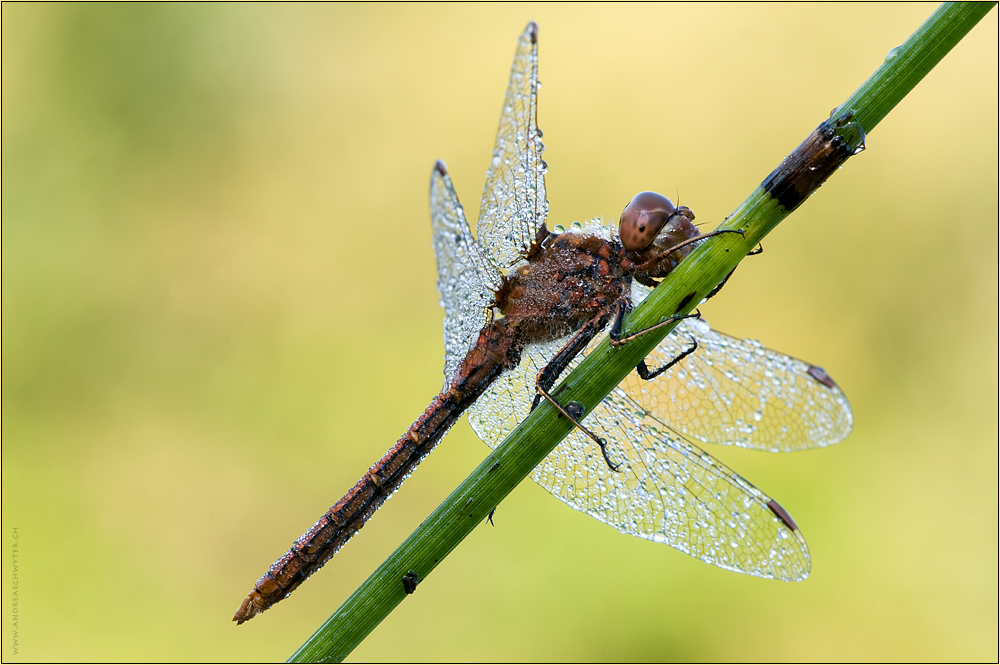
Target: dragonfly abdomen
pixel 496 350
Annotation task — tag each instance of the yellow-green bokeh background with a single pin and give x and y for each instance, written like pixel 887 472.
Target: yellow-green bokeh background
pixel 219 309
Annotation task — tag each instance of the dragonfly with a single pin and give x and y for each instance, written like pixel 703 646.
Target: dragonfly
pixel 523 305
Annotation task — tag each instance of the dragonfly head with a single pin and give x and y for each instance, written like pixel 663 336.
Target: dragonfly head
pixel 642 219
pixel 650 215
pixel 650 226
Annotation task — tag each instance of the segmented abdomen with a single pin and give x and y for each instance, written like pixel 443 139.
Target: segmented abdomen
pixel 496 350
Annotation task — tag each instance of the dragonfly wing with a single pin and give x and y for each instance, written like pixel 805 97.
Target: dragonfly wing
pixel 514 207
pixel 670 491
pixel 737 392
pixel 508 399
pixel 466 278
pixel 667 489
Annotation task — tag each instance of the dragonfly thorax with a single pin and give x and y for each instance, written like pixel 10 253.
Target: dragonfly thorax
pixel 567 282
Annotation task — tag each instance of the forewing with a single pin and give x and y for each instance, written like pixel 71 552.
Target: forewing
pixel 737 392
pixel 667 489
pixel 466 280
pixel 513 206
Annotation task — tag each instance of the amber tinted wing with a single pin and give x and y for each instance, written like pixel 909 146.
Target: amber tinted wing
pixel 513 205
pixel 466 279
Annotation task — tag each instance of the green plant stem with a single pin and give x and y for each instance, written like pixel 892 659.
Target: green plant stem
pixel 470 503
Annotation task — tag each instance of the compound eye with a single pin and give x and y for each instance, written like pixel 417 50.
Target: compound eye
pixel 642 219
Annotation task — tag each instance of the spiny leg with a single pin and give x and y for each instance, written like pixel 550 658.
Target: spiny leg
pixel 642 368
pixel 685 243
pixel 575 410
pixel 573 413
pixel 616 329
pixel 543 382
pixel 547 377
pixel 759 250
pixel 710 234
pixel 648 375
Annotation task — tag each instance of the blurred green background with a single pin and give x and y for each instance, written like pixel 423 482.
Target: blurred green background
pixel 219 310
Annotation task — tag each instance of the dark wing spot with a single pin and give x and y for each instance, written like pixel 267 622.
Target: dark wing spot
pixel 782 514
pixel 820 375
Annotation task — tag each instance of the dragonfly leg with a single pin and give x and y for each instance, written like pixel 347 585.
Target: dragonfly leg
pixel 758 250
pixel 543 382
pixel 616 329
pixel 573 413
pixel 547 377
pixel 661 255
pixel 575 410
pixel 648 375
